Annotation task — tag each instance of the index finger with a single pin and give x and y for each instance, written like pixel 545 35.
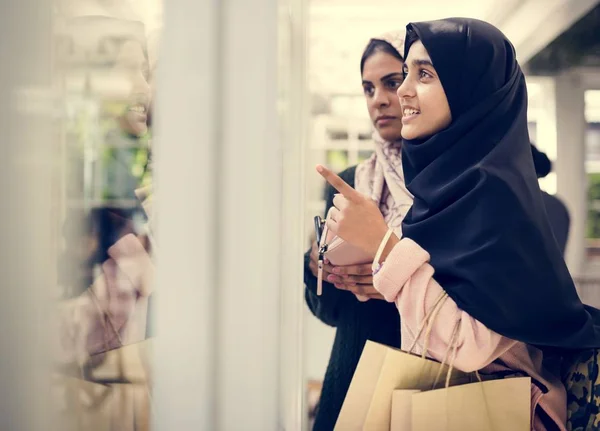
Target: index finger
pixel 337 183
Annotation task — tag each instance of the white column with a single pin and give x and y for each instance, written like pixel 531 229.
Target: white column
pixel 250 224
pixel 570 164
pixel 221 172
pixel 294 106
pixel 28 265
pixel 187 149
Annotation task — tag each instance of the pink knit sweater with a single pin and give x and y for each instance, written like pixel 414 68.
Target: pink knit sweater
pixel 406 278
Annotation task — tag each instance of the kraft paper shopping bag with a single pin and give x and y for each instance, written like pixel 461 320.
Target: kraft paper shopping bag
pixel 494 405
pixel 380 371
pixel 402 409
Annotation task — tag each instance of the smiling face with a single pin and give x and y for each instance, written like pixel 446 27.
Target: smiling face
pixel 131 64
pixel 381 77
pixel 425 109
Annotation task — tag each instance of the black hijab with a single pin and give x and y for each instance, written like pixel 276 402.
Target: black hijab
pixel 478 208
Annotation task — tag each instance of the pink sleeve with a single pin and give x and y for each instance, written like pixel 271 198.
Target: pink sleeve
pixel 406 278
pixel 133 260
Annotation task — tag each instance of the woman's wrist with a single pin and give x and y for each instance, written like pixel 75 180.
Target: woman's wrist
pixel 389 247
pixel 384 248
pixel 377 239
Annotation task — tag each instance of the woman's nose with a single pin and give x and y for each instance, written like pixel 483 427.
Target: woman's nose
pixel 401 91
pixel 139 84
pixel 381 98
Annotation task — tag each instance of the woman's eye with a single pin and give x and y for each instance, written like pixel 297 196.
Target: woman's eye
pixel 368 91
pixel 394 84
pixel 424 74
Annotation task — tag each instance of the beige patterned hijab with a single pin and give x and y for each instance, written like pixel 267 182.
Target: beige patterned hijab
pixel 381 177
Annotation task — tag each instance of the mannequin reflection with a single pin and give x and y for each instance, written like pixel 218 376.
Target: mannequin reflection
pixel 113 310
pixel 342 304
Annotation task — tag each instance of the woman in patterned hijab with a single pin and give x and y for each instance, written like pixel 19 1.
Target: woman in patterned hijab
pixel 349 301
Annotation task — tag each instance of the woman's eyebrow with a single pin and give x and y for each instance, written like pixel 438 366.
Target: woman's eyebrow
pixel 391 75
pixel 422 62
pixel 384 78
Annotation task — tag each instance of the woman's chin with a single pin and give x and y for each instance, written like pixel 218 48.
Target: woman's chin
pixel 389 135
pixel 134 128
pixel 410 135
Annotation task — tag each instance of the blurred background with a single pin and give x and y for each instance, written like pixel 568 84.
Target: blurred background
pixel 161 156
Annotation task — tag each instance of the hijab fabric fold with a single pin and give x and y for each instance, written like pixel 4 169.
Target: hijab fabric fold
pixel 380 177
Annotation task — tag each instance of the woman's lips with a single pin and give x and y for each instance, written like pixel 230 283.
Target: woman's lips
pixel 409 114
pixel 138 112
pixel 384 120
pixel 408 118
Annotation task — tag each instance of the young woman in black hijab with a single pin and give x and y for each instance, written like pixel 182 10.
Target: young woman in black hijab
pixel 477 231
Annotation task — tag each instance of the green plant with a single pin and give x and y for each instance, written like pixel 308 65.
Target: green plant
pixel 593 219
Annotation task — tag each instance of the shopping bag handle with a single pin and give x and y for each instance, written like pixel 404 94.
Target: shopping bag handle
pixel 454 348
pixel 427 325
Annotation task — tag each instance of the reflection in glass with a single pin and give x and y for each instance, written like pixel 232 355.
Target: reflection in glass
pixel 106 269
